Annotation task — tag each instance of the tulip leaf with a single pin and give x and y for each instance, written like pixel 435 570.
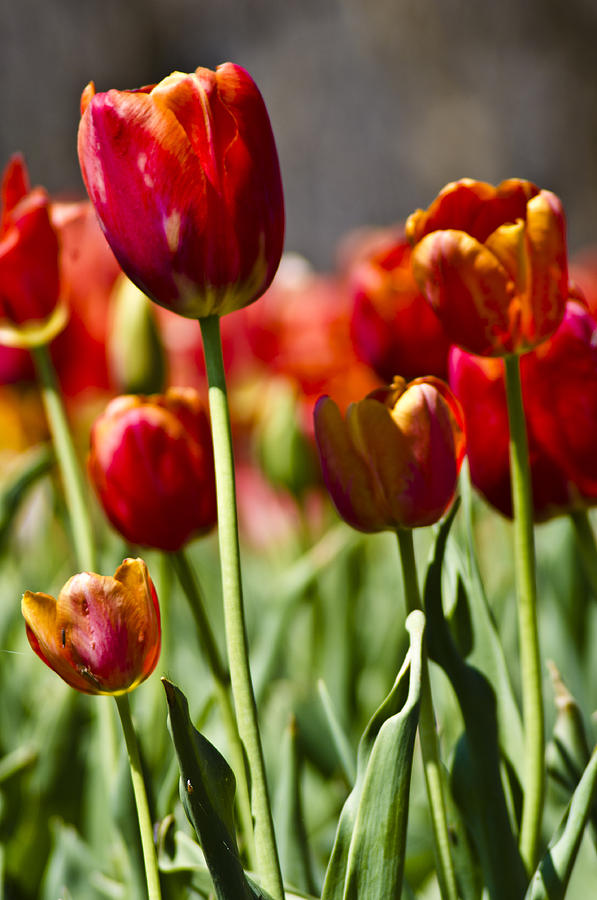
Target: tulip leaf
pixel 550 881
pixel 477 783
pixel 338 736
pixel 293 847
pixel 568 752
pixel 487 653
pixel 207 792
pixel 33 465
pixel 367 860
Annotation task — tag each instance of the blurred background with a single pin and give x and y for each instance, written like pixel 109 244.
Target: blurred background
pixel 375 104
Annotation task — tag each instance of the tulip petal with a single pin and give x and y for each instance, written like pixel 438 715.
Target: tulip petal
pixel 46 632
pixel 387 455
pixel 468 288
pixel 548 268
pixel 472 206
pixel 347 477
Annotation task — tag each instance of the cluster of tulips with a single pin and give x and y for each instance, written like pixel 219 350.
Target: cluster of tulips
pixel 460 334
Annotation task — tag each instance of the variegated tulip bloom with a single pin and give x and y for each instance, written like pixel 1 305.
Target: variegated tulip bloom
pixel 393 462
pixel 102 635
pixel 492 263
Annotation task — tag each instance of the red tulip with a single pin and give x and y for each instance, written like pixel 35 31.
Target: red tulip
pixel 394 461
pixel 185 180
pixel 393 328
pixel 151 463
pixel 492 263
pixel 30 311
pixel 559 388
pixel 102 635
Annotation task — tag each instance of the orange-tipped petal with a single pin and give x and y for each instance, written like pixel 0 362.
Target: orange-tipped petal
pixel 468 288
pixel 548 268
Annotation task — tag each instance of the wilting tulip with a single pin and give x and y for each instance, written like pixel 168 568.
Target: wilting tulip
pixel 394 461
pixel 185 180
pixel 393 328
pixel 30 307
pixel 492 263
pixel 102 635
pixel 559 388
pixel 151 463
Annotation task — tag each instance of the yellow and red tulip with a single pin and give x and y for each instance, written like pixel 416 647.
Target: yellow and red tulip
pixel 102 635
pixel 492 263
pixel 393 462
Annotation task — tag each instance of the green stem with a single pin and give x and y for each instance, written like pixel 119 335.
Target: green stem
pixel 145 824
pixel 72 478
pixel 428 735
pixel 221 676
pixel 236 634
pixel 587 548
pixel 524 558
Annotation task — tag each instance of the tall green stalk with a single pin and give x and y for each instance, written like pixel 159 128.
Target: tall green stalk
pixel 530 662
pixel 221 677
pixel 82 533
pixel 145 824
pixel 74 489
pixel 428 735
pixel 236 635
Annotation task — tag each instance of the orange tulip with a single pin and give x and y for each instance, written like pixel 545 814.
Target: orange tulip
pixel 492 263
pixel 102 635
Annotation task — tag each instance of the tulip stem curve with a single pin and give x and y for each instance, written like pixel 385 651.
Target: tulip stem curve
pixel 72 478
pixel 428 734
pixel 192 590
pixel 144 816
pixel 268 864
pixel 530 661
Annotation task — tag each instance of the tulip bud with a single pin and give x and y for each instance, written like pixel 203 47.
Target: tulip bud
pixel 492 263
pixel 136 356
pixel 185 180
pixel 151 463
pixel 30 309
pixel 394 461
pixel 102 635
pixel 286 454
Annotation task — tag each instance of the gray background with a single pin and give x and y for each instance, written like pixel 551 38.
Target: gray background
pixel 375 104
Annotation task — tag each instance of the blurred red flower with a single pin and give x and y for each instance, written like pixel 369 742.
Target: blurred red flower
pixel 559 387
pixel 393 328
pixel 394 461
